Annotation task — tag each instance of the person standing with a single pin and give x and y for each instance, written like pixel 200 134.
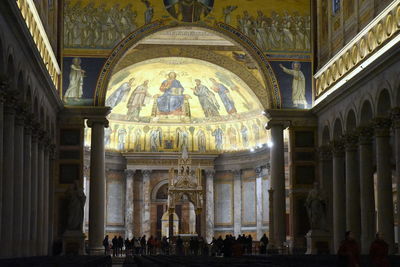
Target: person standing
pixel 137 101
pixel 349 252
pixel 298 85
pixel 106 245
pixel 115 246
pixel 263 244
pixel 378 252
pixel 76 76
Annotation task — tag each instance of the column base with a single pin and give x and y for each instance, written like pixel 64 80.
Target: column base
pixel 73 243
pixel 318 242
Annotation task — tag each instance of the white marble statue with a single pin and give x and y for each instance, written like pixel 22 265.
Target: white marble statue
pixel 316 208
pixel 76 204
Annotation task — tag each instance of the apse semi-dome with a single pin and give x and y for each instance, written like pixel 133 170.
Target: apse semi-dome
pixel 165 104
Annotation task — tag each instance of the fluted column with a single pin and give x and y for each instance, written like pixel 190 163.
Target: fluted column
pixel 367 199
pixel 97 197
pixel 34 192
pixel 209 204
pixel 353 214
pixel 40 194
pixel 384 181
pixel 326 182
pixel 129 206
pixel 8 172
pixel 237 202
pixel 18 181
pixel 146 203
pixel 26 210
pixel 46 196
pixel 339 196
pixel 396 126
pixel 259 203
pixel 278 182
pixel 3 86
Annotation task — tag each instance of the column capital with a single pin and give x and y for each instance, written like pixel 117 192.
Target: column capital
pixel 209 173
pixel 350 140
pixel 236 173
pixel 90 122
pixel 11 99
pixel 365 134
pixel 129 173
pixel 20 114
pixel 52 151
pixel 395 115
pixel 283 123
pixel 258 171
pixel 146 173
pixel 325 153
pixel 382 126
pixel 337 148
pixel 29 118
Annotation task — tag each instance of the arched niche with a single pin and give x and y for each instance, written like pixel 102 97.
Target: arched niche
pixel 384 103
pixel 351 122
pixel 325 136
pixel 366 113
pixel 337 129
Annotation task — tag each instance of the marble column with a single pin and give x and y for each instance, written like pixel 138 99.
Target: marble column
pixel 27 188
pixel 353 213
pixel 339 196
pixel 367 199
pixel 384 181
pixel 40 194
pixel 52 158
pixel 34 191
pixel 46 197
pixel 146 203
pixel 259 203
pixel 129 206
pixel 97 197
pixel 326 182
pixel 396 126
pixel 271 227
pixel 2 99
pixel 237 202
pixel 278 182
pixel 8 172
pixel 18 181
pixel 209 205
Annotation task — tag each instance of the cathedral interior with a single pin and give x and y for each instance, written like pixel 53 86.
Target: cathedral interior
pixel 199 118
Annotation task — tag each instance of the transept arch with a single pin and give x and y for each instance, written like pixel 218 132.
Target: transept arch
pixel 271 91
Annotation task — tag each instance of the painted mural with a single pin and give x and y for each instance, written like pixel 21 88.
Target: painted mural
pixel 278 25
pixel 189 10
pixel 294 77
pixel 79 79
pixel 166 104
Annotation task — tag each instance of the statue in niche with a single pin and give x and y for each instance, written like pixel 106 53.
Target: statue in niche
pixel 201 140
pixel 155 139
pixel 316 208
pixel 76 204
pixel 136 140
pixel 245 136
pixel 218 135
pixel 182 139
pixel 121 139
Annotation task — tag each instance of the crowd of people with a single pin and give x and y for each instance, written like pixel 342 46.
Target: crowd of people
pixel 197 245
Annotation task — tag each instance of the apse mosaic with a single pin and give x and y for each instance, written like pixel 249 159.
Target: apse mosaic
pixel 276 25
pixel 169 103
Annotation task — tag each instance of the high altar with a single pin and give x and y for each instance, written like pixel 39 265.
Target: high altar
pixel 185 185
